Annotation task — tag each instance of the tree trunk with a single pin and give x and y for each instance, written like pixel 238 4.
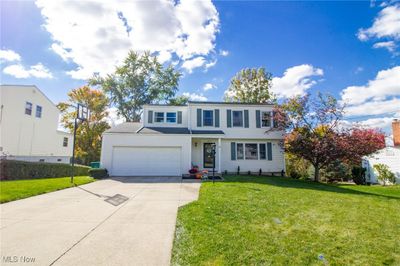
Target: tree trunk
pixel 316 173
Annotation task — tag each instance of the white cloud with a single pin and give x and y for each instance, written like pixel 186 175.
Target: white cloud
pixel 224 52
pixel 35 71
pixel 389 45
pixel 113 118
pixel 211 64
pixel 9 55
pixel 358 70
pixel 295 81
pixel 195 96
pixel 386 24
pixel 96 35
pixel 378 107
pixel 208 86
pixel 386 83
pixel 193 63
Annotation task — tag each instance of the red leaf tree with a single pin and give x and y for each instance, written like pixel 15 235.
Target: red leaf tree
pixel 314 132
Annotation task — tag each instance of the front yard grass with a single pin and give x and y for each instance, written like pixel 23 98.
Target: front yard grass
pixel 19 189
pixel 272 220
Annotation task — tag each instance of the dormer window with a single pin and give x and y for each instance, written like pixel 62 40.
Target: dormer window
pixel 171 117
pixel 159 117
pixel 208 118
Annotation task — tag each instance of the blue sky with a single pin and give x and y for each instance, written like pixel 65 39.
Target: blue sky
pixel 349 49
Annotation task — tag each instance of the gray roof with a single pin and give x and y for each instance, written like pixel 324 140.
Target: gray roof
pixel 137 128
pixel 127 127
pixel 211 132
pixel 164 130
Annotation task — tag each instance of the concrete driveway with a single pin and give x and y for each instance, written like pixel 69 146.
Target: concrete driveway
pixel 87 226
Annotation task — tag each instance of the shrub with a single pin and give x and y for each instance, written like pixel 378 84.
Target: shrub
pixel 13 170
pixel 358 175
pixel 98 173
pixel 296 167
pixel 384 174
pixel 336 171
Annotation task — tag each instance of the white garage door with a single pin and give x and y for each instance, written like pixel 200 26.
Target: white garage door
pixel 146 161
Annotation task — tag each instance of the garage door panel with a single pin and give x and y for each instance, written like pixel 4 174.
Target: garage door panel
pixel 146 161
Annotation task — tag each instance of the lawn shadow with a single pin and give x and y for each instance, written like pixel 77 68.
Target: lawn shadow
pixel 301 184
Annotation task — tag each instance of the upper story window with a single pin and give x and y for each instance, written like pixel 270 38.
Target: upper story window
pixel 237 118
pixel 159 117
pixel 208 118
pixel 28 108
pixel 38 111
pixel 65 142
pixel 266 119
pixel 171 117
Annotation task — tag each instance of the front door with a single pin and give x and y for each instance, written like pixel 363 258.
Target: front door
pixel 208 156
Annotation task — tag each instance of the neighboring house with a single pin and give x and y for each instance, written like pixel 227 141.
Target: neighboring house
pixel 28 126
pixel 388 155
pixel 171 139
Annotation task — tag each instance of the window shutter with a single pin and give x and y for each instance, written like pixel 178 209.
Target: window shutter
pixel 199 117
pixel 269 150
pixel 216 117
pixel 233 151
pixel 179 117
pixel 258 118
pixel 246 118
pixel 229 118
pixel 150 117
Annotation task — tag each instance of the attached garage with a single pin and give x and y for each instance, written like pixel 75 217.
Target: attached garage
pixel 146 161
pixel 131 150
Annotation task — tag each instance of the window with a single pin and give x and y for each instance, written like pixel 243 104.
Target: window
pixel 159 117
pixel 265 119
pixel 251 151
pixel 237 118
pixel 38 111
pixel 171 117
pixel 41 160
pixel 28 108
pixel 59 160
pixel 239 151
pixel 263 153
pixel 208 118
pixel 65 142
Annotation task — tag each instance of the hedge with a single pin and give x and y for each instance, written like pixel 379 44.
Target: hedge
pixel 14 170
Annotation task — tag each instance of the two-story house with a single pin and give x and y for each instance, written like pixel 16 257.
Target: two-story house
pixel 172 139
pixel 28 126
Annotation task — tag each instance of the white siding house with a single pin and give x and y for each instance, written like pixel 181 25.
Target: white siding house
pixel 389 156
pixel 172 139
pixel 28 126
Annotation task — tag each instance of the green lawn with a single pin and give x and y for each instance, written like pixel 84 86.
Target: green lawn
pixel 19 189
pixel 280 221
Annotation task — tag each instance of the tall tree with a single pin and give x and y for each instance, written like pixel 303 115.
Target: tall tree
pixel 180 100
pixel 315 132
pixel 88 134
pixel 313 126
pixel 252 85
pixel 140 80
